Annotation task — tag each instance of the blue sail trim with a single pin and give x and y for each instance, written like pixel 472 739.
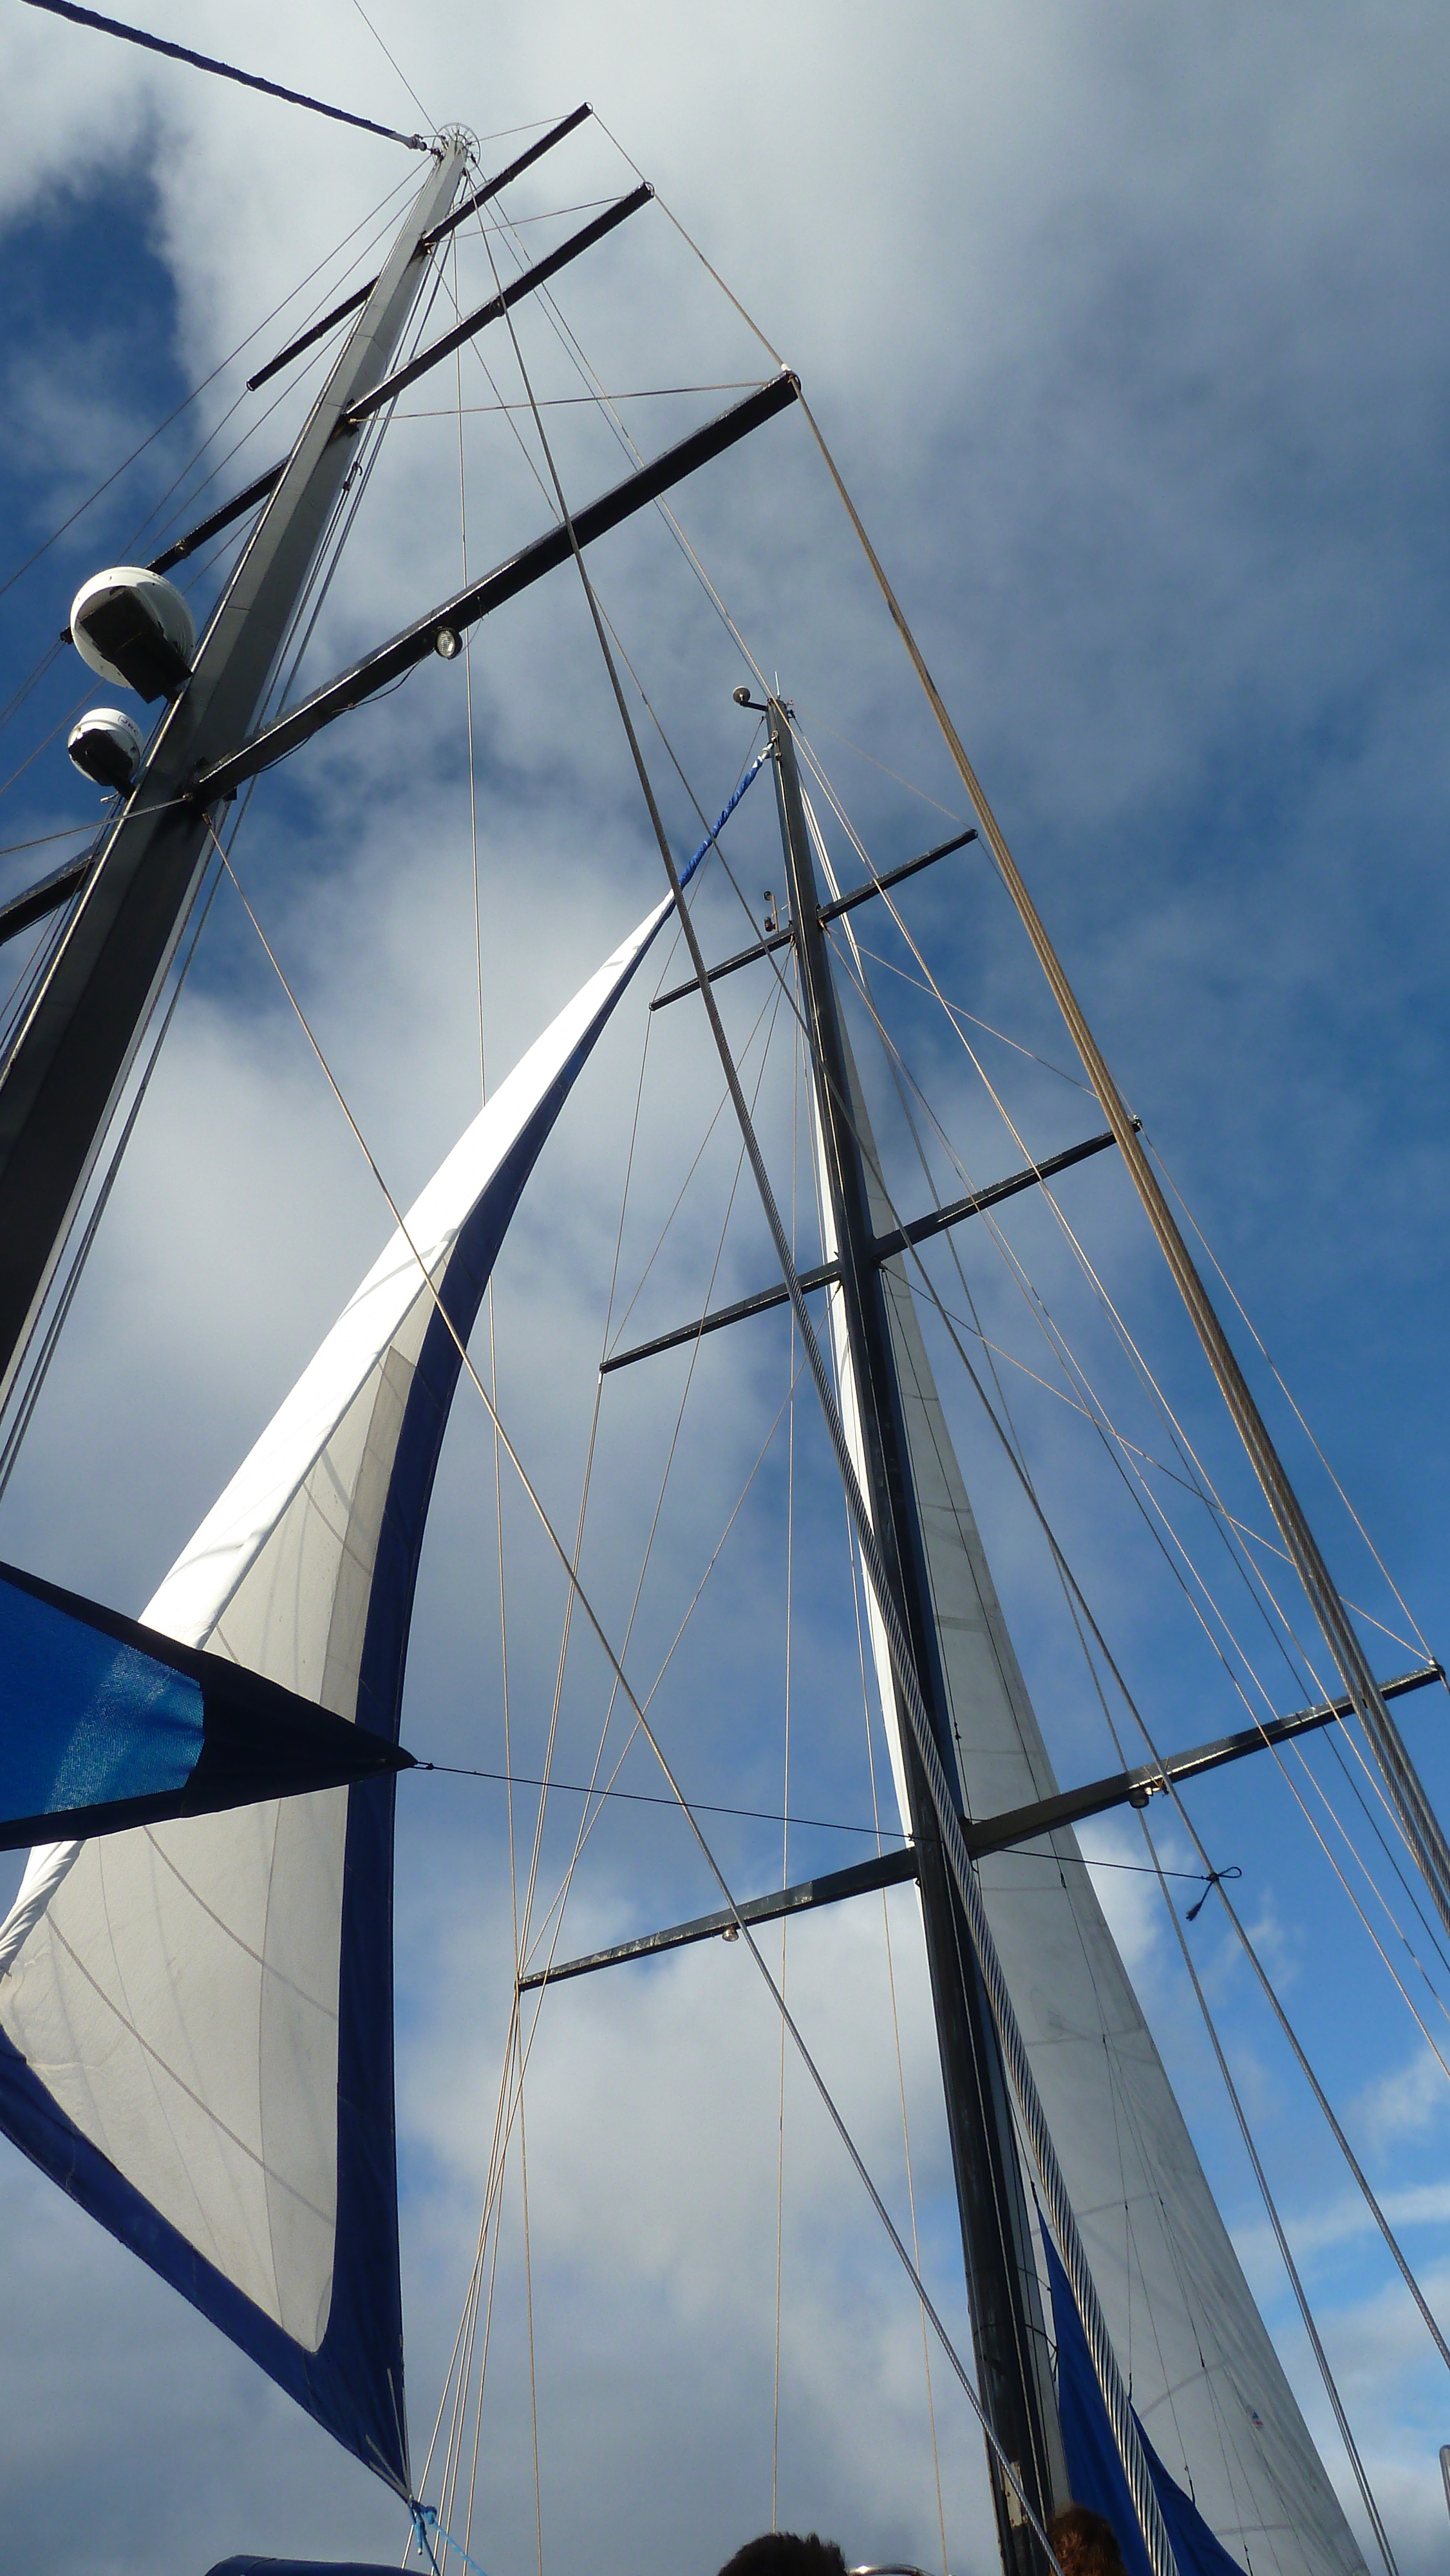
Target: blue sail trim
pixel 1095 2472
pixel 367 2158
pixel 353 2384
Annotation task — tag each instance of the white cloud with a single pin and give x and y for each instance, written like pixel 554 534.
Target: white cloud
pixel 1127 337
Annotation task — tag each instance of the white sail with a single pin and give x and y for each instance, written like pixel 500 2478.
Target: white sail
pixel 1204 2377
pixel 196 2020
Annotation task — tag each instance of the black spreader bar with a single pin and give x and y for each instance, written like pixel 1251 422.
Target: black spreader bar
pixel 46 896
pixel 1135 1788
pixel 990 1834
pixel 889 1870
pixel 353 303
pixel 882 1249
pixel 392 386
pixel 727 966
pixel 493 311
pixel 466 607
pixel 237 508
pixel 829 912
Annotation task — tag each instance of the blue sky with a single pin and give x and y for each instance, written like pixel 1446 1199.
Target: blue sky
pixel 1128 336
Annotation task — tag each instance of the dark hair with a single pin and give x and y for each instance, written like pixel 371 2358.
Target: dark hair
pixel 1085 2543
pixel 785 2553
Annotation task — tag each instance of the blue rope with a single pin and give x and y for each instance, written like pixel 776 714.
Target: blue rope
pixel 713 835
pixel 205 63
pixel 425 2520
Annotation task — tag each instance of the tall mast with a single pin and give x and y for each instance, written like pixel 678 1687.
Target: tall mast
pixel 1013 2365
pixel 61 1081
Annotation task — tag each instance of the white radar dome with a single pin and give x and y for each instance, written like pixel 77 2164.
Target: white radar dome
pixel 106 746
pixel 132 626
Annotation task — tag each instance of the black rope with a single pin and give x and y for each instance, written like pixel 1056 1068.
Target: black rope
pixel 205 63
pixel 1216 1878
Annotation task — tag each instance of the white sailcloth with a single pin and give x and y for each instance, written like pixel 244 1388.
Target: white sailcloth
pixel 1202 2371
pixel 195 2021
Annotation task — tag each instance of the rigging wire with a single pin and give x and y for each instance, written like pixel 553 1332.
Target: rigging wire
pixel 720 1040
pixel 1008 2468
pixel 1212 1501
pixel 1287 1393
pixel 1064 2220
pixel 430 121
pixel 785 1778
pixel 224 71
pixel 188 399
pixel 571 402
pixel 1148 1504
pixel 1346 2434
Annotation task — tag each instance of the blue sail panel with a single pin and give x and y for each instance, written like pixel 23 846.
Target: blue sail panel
pixel 84 1718
pixel 105 1725
pixel 235 2126
pixel 1095 2472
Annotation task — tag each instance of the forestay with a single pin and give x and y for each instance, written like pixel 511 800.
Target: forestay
pixel 1206 2383
pixel 196 2027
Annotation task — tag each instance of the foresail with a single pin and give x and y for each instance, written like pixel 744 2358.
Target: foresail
pixel 1204 2377
pixel 196 2019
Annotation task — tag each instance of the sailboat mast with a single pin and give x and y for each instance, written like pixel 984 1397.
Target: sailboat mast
pixel 1014 2371
pixel 62 1078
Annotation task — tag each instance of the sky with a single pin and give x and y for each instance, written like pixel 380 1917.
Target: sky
pixel 1127 334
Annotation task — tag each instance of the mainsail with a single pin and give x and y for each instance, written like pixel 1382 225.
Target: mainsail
pixel 1206 2383
pixel 196 2024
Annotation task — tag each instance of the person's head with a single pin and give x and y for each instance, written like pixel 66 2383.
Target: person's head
pixel 785 2553
pixel 1084 2543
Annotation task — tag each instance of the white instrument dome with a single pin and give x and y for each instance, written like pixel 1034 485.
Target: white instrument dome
pixel 134 627
pixel 106 746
